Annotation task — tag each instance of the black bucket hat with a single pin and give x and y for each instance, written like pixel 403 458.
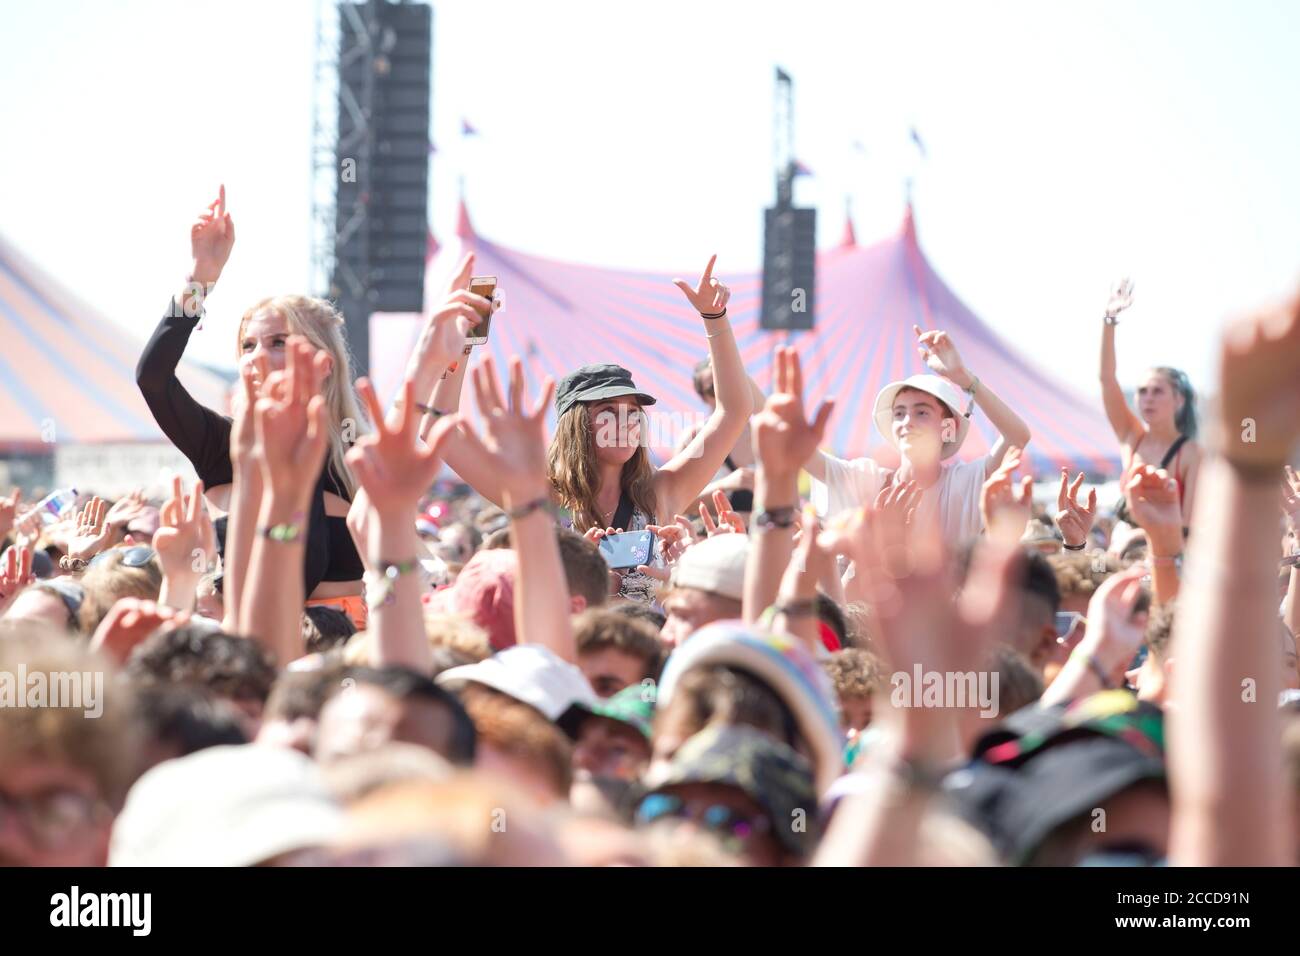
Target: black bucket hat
pixel 594 383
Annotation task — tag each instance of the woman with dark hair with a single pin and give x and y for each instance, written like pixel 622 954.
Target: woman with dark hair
pixel 1163 432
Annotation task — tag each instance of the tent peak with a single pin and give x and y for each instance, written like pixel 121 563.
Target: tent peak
pixel 909 223
pixel 464 229
pixel 849 238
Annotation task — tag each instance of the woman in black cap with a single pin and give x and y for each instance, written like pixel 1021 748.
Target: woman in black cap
pixel 599 468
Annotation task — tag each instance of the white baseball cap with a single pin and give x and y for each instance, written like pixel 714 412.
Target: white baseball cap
pixel 528 673
pixel 225 806
pixel 716 565
pixel 942 389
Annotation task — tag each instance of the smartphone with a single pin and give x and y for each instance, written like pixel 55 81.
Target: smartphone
pixel 486 286
pixel 628 549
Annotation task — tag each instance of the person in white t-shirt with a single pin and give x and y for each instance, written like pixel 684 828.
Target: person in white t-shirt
pixel 922 417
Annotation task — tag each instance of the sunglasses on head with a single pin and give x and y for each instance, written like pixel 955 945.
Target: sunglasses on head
pixel 136 556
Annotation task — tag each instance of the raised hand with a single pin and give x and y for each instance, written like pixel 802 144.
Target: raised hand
pixel 676 537
pixel 1259 392
pixel 888 520
pixel 125 510
pixel 783 438
pixel 727 522
pixel 1004 500
pixel 1121 297
pixel 212 237
pixel 709 297
pixel 28 528
pixel 442 339
pixel 1116 628
pixel 513 443
pixel 909 583
pixel 1153 502
pixel 393 466
pixel 91 533
pixel 243 431
pixel 940 355
pixel 129 622
pixel 9 511
pixel 292 424
pixel 1073 518
pixel 185 540
pixel 15 574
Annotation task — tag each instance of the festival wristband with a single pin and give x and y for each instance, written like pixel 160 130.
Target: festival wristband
pixel 286 533
pixel 382 585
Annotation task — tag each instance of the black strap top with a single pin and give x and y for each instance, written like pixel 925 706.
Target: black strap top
pixel 203 436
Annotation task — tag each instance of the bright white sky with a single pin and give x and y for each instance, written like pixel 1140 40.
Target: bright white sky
pixel 1065 145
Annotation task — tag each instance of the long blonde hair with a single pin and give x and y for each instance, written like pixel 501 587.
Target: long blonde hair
pixel 321 324
pixel 571 468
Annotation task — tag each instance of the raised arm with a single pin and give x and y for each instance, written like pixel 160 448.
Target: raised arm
pixel 921 629
pixel 1113 635
pixel 937 350
pixel 197 431
pixel 186 544
pixel 245 497
pixel 513 445
pixel 1225 757
pixel 436 373
pixel 1153 502
pixel 680 480
pixel 1123 422
pixel 783 438
pixel 292 424
pixel 394 468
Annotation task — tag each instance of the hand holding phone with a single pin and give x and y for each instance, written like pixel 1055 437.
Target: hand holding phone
pixel 486 286
pixel 628 549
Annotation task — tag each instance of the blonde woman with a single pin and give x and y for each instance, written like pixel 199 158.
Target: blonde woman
pixel 599 469
pixel 332 569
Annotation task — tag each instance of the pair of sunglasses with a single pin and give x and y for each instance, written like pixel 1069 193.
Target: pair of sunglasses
pixel 136 556
pixel 724 821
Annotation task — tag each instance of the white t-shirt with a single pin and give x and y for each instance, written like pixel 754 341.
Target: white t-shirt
pixel 954 500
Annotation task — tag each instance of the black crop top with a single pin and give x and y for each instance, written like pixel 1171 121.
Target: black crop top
pixel 203 437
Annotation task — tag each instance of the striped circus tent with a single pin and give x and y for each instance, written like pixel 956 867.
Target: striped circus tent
pixel 67 374
pixel 561 315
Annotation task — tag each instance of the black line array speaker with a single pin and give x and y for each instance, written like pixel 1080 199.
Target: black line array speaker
pixel 381 223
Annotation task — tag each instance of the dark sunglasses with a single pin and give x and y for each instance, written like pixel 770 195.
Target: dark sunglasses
pixel 724 821
pixel 136 556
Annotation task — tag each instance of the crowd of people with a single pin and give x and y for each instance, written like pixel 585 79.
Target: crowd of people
pixel 325 653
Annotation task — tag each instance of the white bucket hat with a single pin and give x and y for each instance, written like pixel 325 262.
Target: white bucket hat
pixel 942 389
pixel 529 673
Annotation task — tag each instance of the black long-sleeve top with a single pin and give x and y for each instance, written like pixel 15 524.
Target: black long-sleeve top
pixel 203 436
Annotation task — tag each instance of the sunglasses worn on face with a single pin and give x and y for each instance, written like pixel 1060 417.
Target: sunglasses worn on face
pixel 734 827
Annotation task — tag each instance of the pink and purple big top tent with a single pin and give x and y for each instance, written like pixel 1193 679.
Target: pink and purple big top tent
pixel 561 315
